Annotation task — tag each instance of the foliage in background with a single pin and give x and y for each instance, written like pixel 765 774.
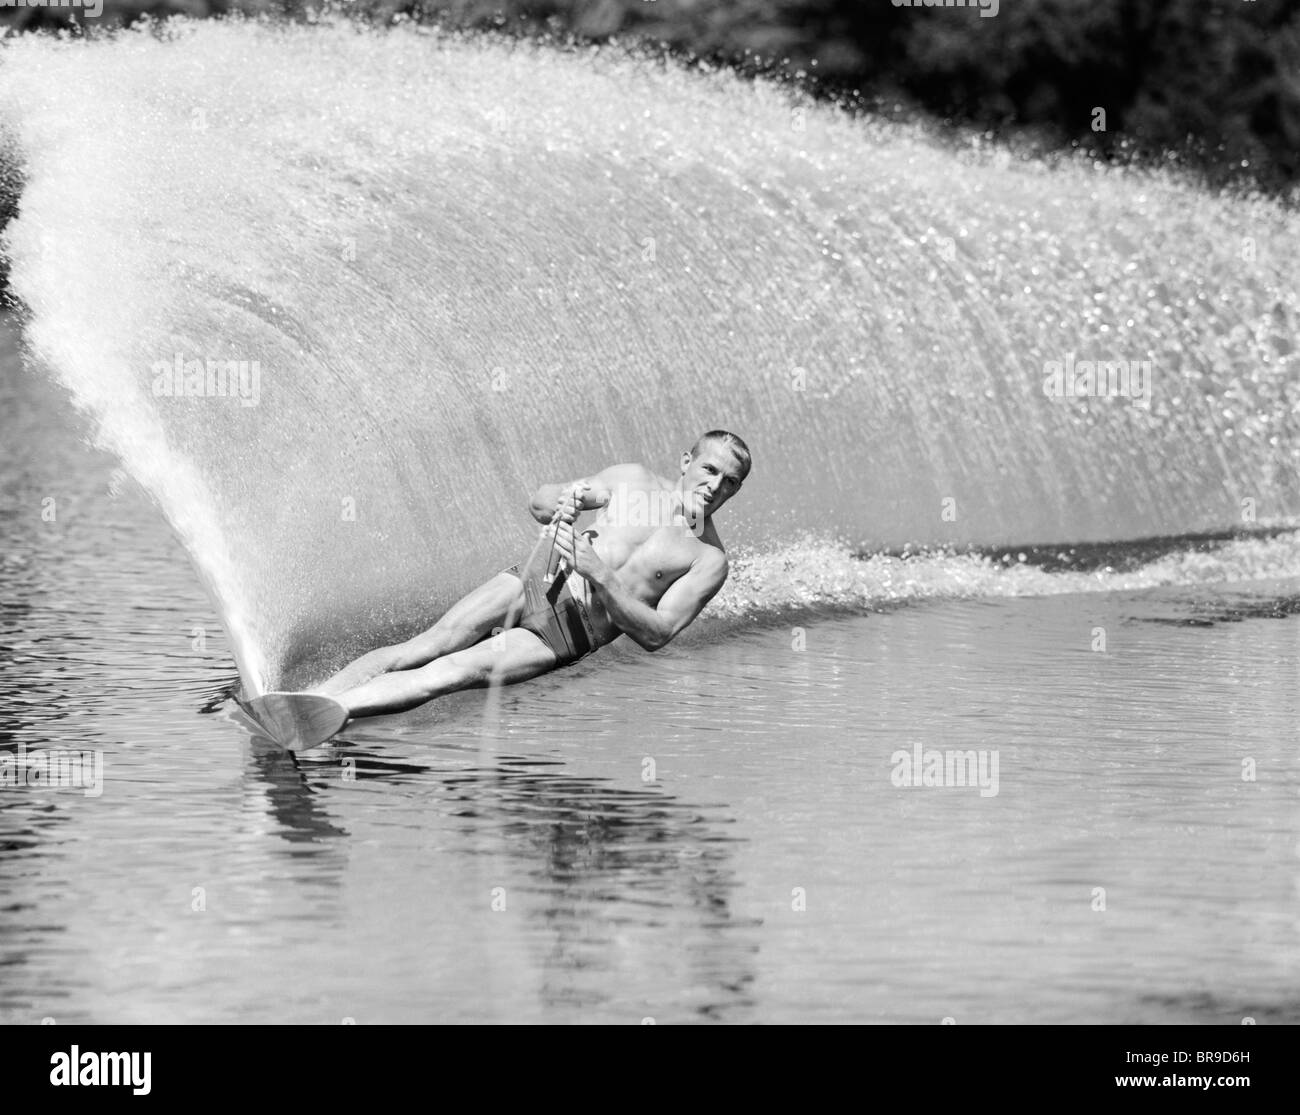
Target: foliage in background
pixel 1215 81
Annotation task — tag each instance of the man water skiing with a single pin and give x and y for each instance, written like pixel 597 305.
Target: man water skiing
pixel 646 568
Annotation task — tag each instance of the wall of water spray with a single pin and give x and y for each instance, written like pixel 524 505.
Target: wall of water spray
pixel 340 299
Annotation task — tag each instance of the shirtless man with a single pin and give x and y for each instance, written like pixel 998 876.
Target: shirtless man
pixel 650 563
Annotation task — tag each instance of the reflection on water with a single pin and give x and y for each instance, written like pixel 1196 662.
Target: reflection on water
pixel 584 869
pixel 290 801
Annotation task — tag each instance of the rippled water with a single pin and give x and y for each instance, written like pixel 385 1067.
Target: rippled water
pixel 359 881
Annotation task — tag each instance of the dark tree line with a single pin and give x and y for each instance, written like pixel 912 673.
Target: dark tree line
pixel 1215 82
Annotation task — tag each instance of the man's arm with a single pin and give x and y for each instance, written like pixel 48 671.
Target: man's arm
pixel 597 492
pixel 652 628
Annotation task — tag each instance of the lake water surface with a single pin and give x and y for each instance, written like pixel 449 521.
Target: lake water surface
pixel 711 833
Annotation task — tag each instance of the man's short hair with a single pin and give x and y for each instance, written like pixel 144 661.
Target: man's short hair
pixel 734 443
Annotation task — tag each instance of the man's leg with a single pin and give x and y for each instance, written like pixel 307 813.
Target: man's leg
pixel 465 623
pixel 512 656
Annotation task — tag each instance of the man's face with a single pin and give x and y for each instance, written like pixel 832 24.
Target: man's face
pixel 710 479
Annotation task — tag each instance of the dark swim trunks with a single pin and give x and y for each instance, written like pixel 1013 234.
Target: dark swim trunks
pixel 557 617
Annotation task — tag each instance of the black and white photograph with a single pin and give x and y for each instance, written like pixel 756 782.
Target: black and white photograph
pixel 650 512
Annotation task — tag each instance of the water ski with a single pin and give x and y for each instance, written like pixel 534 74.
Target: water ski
pixel 297 721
